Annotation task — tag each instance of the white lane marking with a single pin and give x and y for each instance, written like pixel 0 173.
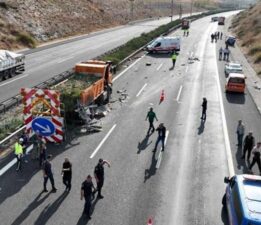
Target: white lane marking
pixel 160 154
pixel 159 66
pixel 124 71
pixel 10 164
pixel 180 90
pixel 103 140
pixel 224 123
pixel 18 78
pixel 186 69
pixel 141 90
pixel 63 60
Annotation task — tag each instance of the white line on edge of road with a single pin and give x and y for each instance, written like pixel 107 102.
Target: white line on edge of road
pixel 18 78
pixel 159 66
pixel 10 164
pixel 141 89
pixel 160 154
pixel 120 74
pixel 180 89
pixel 103 140
pixel 224 125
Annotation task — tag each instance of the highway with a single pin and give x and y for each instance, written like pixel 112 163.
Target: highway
pixel 182 185
pixel 48 62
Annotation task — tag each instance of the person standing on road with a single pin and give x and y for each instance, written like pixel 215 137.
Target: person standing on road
pixel 151 116
pixel 67 174
pixel 220 53
pixel 42 155
pixel 174 58
pixel 161 136
pixel 99 175
pixel 48 174
pixel 249 143
pixel 204 109
pixel 19 153
pixel 256 159
pixel 240 133
pixel 87 189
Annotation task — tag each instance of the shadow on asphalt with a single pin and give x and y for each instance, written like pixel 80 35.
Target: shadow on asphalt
pixel 12 182
pixel 159 55
pixel 224 216
pixel 241 163
pixel 236 98
pixel 152 170
pixel 83 220
pixel 31 207
pixel 201 127
pixel 49 210
pixel 143 144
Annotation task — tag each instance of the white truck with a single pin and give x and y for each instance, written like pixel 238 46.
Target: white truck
pixel 164 44
pixel 11 64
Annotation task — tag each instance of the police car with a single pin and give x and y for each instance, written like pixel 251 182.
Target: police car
pixel 233 67
pixel 243 199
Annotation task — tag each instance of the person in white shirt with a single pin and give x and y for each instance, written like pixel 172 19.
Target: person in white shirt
pixel 256 159
pixel 240 133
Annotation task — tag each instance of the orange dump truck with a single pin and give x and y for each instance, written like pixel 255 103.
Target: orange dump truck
pixel 101 76
pixel 90 84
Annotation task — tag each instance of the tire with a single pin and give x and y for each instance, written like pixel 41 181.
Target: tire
pixel 224 200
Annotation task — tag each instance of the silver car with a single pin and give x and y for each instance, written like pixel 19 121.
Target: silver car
pixel 233 67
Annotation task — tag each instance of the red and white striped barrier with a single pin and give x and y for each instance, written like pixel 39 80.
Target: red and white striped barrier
pixel 51 99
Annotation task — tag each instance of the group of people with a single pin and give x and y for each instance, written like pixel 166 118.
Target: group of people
pixel 249 146
pixel 225 53
pixel 216 36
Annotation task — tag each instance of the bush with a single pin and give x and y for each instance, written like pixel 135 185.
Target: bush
pixel 9 127
pixel 255 50
pixel 26 39
pixel 258 57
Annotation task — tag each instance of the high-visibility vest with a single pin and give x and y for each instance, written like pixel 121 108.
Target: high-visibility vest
pixel 174 56
pixel 18 148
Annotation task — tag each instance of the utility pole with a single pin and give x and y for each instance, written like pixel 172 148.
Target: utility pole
pixel 191 7
pixel 172 6
pixel 180 11
pixel 131 9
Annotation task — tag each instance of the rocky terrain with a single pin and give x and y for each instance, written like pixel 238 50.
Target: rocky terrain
pixel 30 22
pixel 247 28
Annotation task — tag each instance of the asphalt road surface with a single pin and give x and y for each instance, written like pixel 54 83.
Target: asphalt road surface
pixel 183 185
pixel 44 64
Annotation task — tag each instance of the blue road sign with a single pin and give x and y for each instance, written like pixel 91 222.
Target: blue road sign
pixel 43 126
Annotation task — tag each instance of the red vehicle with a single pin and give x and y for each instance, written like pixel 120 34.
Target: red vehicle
pixel 221 20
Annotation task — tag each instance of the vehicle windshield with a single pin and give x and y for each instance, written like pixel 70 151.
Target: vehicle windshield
pixel 236 80
pixel 236 67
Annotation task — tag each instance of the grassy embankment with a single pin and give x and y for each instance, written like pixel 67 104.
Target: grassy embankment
pixel 247 28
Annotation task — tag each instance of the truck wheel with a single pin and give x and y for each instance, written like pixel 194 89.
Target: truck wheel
pixel 224 200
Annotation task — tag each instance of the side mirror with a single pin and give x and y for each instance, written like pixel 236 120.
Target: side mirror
pixel 226 180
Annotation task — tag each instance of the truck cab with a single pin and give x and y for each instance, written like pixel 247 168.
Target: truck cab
pixel 242 199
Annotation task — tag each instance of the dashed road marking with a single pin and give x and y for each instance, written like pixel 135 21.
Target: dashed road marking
pixel 159 66
pixel 102 142
pixel 141 89
pixel 180 90
pixel 18 78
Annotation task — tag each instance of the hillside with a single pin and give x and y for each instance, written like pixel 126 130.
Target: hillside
pixel 247 28
pixel 27 23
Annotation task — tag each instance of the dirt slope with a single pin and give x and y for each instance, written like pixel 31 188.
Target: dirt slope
pixel 30 22
pixel 247 28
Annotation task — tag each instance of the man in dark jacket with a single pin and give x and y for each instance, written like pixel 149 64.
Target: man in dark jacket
pixel 151 116
pixel 204 109
pixel 161 136
pixel 67 174
pixel 87 189
pixel 48 174
pixel 249 143
pixel 99 175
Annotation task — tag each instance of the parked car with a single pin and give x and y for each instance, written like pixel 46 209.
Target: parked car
pixel 230 40
pixel 242 199
pixel 233 67
pixel 235 83
pixel 214 18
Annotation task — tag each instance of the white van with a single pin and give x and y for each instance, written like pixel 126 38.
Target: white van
pixel 164 44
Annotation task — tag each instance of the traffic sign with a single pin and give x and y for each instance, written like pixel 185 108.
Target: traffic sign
pixel 43 126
